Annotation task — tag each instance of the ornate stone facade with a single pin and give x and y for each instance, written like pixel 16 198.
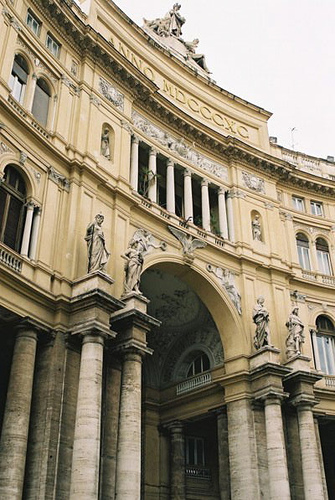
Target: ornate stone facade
pixel 151 372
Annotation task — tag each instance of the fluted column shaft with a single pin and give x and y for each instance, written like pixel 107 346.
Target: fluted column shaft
pixel 128 468
pixel 205 207
pixel 14 438
pixel 27 229
pixel 134 162
pixel 222 213
pixel 313 485
pixel 152 192
pixel 86 447
pixel 188 197
pixel 178 488
pixel 170 188
pixel 275 443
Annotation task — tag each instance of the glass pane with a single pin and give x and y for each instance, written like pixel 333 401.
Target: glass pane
pixel 13 223
pixel 40 105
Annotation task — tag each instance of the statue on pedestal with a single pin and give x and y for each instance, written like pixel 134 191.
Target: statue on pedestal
pixel 96 248
pixel 296 334
pixel 260 316
pixel 105 147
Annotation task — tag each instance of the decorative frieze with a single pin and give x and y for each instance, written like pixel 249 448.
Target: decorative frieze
pixel 59 179
pixel 253 182
pixel 111 94
pixel 227 280
pixel 178 146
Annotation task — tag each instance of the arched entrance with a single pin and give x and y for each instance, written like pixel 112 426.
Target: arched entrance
pixel 183 401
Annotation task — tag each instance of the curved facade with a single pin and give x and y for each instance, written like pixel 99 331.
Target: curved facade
pixel 167 279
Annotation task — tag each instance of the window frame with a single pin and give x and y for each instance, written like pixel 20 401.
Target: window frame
pixel 198 451
pixel 54 47
pixel 324 347
pixel 35 19
pixel 298 203
pixel 303 251
pixel 13 193
pixel 17 82
pixel 314 205
pixel 323 257
pixel 192 366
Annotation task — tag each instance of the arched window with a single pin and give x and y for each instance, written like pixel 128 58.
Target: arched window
pixel 12 199
pixel 18 78
pixel 199 364
pixel 324 345
pixel 303 251
pixel 41 101
pixel 323 257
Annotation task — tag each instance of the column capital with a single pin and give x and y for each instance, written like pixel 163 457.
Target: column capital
pixel 132 350
pixel 187 172
pixel 303 402
pixel 30 205
pixel 204 183
pixel 153 151
pixel 271 396
pixel 170 162
pixel 223 190
pixel 175 427
pixel 94 337
pixel 135 139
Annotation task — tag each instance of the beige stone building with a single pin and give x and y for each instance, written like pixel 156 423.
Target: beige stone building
pixel 196 388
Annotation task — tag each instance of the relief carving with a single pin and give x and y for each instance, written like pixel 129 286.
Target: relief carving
pixel 111 94
pixel 253 182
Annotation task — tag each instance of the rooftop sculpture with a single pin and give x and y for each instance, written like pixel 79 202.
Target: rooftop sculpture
pixel 168 28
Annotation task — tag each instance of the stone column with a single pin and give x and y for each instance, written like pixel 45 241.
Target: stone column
pixel 152 193
pixel 128 466
pixel 311 467
pixel 134 162
pixel 177 462
pixel 223 455
pixel 14 438
pixel 111 427
pixel 170 188
pixel 230 217
pixel 242 451
pixel 86 446
pixel 34 233
pixel 205 208
pixel 322 465
pixel 27 229
pixel 275 444
pixel 222 213
pixel 188 198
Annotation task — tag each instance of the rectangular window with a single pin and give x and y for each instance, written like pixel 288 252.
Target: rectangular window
pixel 33 23
pixel 195 451
pixel 52 45
pixel 324 262
pixel 298 203
pixel 325 345
pixel 316 208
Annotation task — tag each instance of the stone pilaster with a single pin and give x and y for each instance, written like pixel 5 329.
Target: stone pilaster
pixel 223 454
pixel 177 461
pixel 132 325
pixel 14 438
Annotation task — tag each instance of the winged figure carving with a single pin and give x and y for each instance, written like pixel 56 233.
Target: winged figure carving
pixel 188 242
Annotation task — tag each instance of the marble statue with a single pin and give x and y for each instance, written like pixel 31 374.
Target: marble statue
pixel 133 266
pixel 256 228
pixel 260 316
pixel 96 248
pixel 105 147
pixel 188 242
pixel 140 244
pixel 191 52
pixel 168 25
pixel 296 334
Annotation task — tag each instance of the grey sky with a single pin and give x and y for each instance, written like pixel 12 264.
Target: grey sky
pixel 278 54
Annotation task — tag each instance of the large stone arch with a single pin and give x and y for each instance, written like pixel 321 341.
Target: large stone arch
pixel 222 313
